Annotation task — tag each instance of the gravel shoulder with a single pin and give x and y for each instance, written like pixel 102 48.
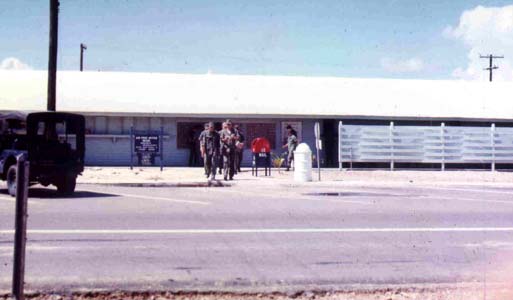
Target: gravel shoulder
pixel 429 293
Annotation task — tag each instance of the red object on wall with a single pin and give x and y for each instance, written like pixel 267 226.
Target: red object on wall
pixel 261 145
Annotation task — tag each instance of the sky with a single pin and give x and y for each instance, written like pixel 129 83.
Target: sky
pixel 413 39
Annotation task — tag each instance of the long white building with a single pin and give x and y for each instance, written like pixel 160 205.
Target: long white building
pixel 263 105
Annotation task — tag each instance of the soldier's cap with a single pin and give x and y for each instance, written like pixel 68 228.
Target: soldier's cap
pixel 210 124
pixel 228 121
pixel 288 127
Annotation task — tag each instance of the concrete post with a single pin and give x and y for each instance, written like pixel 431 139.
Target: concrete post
pixel 20 235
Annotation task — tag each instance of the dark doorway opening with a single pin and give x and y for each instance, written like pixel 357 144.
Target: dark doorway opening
pixel 330 143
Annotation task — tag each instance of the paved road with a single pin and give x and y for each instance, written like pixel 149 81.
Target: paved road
pixel 257 237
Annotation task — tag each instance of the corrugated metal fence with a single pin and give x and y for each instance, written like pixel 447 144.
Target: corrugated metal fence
pixel 425 144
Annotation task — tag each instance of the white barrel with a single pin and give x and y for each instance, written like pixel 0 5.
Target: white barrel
pixel 303 163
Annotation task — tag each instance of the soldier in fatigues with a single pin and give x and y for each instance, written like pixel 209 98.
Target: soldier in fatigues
pixel 220 161
pixel 205 130
pixel 240 148
pixel 210 144
pixel 229 138
pixel 291 145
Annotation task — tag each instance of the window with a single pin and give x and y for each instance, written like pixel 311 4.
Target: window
pixel 58 132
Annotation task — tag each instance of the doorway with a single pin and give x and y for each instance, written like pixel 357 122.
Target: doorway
pixel 330 142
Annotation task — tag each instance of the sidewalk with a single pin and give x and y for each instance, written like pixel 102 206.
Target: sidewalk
pixel 182 176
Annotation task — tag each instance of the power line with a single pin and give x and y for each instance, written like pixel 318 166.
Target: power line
pixel 491 66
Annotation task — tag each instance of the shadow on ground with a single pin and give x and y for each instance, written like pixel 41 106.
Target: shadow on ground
pixel 49 193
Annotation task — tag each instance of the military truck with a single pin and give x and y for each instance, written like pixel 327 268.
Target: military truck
pixel 53 142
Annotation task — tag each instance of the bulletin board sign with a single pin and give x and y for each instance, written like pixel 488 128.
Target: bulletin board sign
pixel 146 145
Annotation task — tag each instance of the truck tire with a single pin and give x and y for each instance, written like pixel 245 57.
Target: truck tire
pixel 67 184
pixel 11 180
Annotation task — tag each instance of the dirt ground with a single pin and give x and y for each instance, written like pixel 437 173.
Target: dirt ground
pixel 384 294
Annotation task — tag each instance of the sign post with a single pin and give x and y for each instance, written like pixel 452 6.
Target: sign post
pixel 318 145
pixel 161 147
pixel 131 147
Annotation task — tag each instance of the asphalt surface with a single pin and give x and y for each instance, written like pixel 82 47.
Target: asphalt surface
pixel 262 237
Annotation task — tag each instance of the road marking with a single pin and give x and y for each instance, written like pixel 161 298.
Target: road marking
pixel 163 199
pixel 491 244
pixel 265 230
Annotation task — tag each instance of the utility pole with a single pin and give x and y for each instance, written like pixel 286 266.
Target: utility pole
pixel 52 55
pixel 82 48
pixel 491 66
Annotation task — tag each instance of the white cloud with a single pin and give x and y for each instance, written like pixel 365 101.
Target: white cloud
pixel 485 30
pixel 12 63
pixel 402 66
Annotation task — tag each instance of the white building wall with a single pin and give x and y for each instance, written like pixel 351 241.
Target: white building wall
pixel 108 141
pixel 103 150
